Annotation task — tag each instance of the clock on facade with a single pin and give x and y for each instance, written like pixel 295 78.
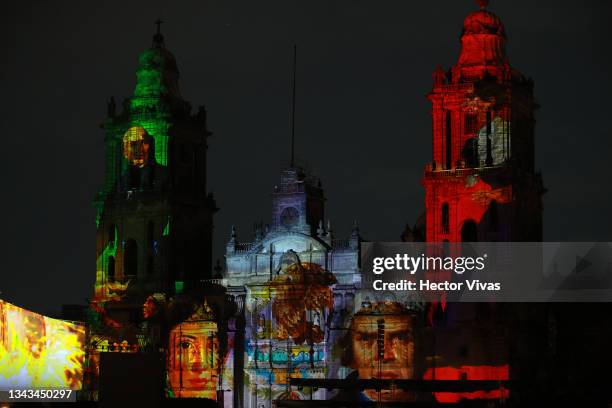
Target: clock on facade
pixel 136 146
pixel 289 217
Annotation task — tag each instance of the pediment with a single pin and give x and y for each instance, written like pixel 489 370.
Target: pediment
pixel 290 241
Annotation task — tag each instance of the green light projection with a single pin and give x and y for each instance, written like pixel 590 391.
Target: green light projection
pixel 166 231
pixel 102 262
pixel 156 83
pixel 156 96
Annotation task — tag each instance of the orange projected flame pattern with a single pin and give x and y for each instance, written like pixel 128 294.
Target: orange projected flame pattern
pixel 39 352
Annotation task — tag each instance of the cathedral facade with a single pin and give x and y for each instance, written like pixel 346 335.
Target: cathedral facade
pixel 288 319
pixel 299 284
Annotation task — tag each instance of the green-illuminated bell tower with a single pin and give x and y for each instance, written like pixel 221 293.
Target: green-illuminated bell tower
pixel 154 215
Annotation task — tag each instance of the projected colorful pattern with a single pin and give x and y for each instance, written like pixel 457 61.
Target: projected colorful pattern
pixel 300 299
pixel 39 352
pixel 148 106
pixel 193 357
pixel 287 330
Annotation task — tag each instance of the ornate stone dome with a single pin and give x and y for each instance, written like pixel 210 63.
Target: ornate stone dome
pixel 483 22
pixel 483 42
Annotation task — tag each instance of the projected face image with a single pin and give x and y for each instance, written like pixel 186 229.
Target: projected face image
pixel 136 146
pixel 148 308
pixel 396 358
pixel 193 366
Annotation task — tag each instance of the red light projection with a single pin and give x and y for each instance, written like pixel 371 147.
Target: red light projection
pixel 484 372
pixel 481 184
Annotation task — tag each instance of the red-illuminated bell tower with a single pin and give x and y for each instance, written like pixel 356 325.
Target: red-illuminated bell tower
pixel 481 184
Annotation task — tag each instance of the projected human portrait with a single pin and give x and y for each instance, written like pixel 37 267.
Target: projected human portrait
pixel 153 305
pixel 136 145
pixel 193 357
pixel 382 346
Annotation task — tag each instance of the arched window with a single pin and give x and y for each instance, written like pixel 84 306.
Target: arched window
pixel 445 219
pixel 470 152
pixel 150 234
pixel 469 231
pixel 470 125
pixel 150 264
pixel 449 135
pixel 130 258
pixel 110 272
pixel 493 217
pixel 151 180
pixel 133 177
pixel 111 234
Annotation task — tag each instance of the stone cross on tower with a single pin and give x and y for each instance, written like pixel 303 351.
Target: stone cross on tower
pixel 158 38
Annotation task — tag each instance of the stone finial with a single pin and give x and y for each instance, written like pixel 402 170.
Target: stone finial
pixel 320 229
pixel 111 107
pixel 231 244
pixel 366 304
pixel 158 38
pixel 258 230
pixel 218 270
pixel 439 76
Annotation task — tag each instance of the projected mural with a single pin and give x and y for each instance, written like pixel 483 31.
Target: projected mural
pixel 301 298
pixel 39 352
pixel 136 143
pixel 382 346
pixel 287 328
pixel 193 357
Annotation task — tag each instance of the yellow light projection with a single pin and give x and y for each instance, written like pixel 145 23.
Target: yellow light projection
pixel 39 352
pixel 193 358
pixel 136 144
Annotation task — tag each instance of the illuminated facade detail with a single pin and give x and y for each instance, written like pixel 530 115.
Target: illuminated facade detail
pixel 477 372
pixel 37 351
pixel 298 284
pixel 483 144
pixel 155 172
pixel 193 356
pixel 284 310
pixel 154 241
pixel 481 185
pixel 136 146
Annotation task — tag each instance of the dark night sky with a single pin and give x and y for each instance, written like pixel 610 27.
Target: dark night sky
pixel 364 68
